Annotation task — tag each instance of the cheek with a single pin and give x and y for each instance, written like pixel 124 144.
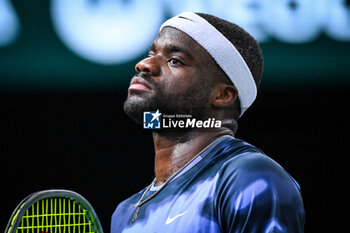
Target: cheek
pixel 179 82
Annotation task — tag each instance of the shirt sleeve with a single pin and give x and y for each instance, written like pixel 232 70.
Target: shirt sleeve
pixel 255 195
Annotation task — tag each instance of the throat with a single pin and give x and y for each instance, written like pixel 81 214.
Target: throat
pixel 164 171
pixel 171 156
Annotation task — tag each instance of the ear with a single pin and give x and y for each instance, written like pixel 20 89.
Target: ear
pixel 224 95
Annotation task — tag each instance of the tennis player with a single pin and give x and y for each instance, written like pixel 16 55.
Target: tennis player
pixel 206 180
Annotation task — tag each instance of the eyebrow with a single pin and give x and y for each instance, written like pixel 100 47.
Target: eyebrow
pixel 173 48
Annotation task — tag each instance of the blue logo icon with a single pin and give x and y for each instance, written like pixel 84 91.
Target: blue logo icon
pixel 151 120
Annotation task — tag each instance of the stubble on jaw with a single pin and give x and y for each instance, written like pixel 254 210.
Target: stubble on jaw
pixel 193 102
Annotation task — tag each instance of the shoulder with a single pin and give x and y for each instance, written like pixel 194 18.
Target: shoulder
pixel 242 158
pixel 255 168
pixel 241 164
pixel 252 174
pixel 254 189
pixel 251 162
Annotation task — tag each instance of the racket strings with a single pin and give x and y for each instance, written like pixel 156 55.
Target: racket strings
pixel 55 215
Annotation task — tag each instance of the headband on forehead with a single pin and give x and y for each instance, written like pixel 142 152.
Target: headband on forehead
pixel 222 50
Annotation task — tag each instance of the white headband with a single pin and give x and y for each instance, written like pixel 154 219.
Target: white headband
pixel 222 50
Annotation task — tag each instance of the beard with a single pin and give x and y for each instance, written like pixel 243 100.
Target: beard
pixel 193 102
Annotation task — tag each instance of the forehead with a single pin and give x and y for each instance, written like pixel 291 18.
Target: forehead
pixel 175 35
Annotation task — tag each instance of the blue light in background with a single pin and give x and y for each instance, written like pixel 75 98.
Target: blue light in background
pixel 9 23
pixel 107 31
pixel 338 20
pixel 95 44
pixel 114 31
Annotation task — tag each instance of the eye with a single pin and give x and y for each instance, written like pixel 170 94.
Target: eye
pixel 150 54
pixel 174 61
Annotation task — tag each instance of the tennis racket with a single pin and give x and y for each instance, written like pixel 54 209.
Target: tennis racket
pixel 54 211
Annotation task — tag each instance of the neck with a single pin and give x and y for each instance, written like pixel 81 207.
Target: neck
pixel 172 152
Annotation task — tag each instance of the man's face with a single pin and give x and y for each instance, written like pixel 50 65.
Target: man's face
pixel 172 78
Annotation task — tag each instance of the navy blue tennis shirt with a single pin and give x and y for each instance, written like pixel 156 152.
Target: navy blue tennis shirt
pixel 230 187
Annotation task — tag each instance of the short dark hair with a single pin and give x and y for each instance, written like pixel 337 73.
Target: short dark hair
pixel 246 45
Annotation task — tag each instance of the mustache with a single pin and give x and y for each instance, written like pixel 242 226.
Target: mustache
pixel 147 77
pixel 143 75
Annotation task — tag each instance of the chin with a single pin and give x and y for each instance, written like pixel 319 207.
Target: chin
pixel 135 105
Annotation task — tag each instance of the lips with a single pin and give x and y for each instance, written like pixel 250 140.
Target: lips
pixel 139 84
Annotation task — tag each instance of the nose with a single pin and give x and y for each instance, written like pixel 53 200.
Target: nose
pixel 148 65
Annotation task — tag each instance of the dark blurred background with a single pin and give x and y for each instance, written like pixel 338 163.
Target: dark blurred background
pixel 63 81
